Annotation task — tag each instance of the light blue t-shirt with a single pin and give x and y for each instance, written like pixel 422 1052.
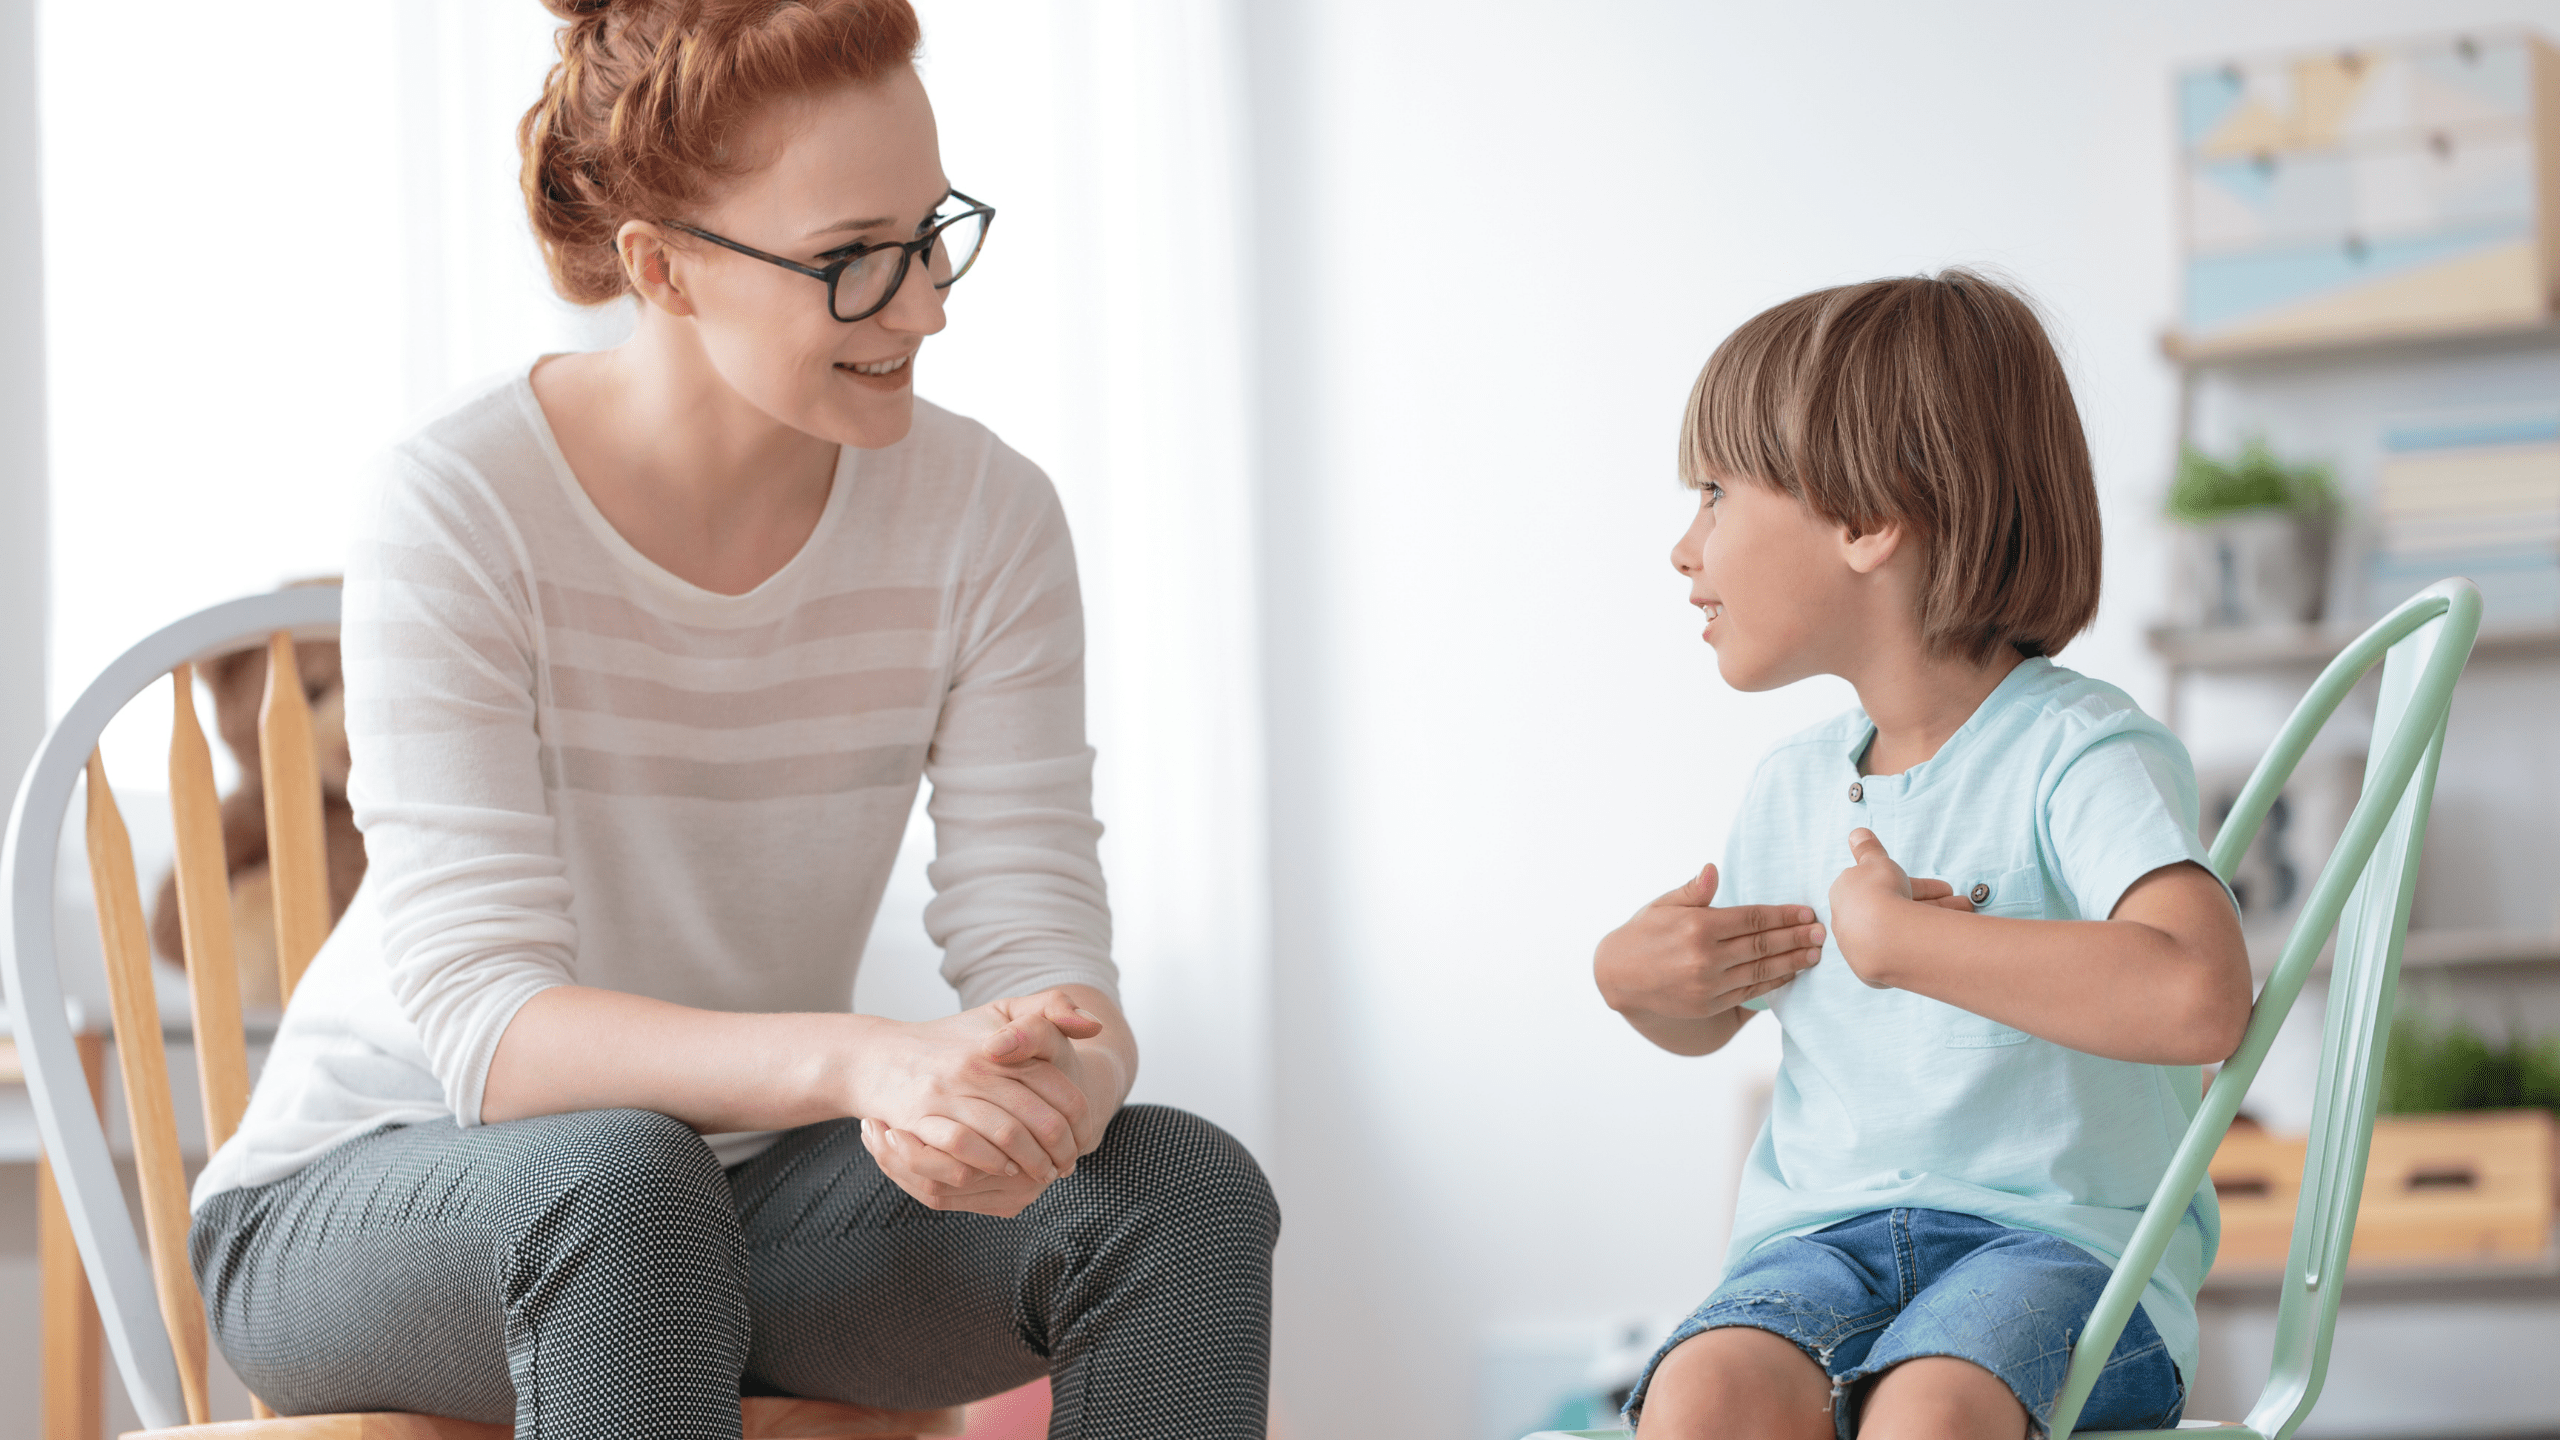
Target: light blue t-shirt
pixel 2049 804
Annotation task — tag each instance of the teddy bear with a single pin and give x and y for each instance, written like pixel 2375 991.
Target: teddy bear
pixel 238 683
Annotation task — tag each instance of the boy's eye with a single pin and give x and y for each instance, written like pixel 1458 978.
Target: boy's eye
pixel 1714 492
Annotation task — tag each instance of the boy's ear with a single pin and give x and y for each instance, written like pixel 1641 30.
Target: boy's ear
pixel 1868 550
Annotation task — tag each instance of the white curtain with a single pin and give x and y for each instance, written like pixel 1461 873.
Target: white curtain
pixel 23 525
pixel 1106 336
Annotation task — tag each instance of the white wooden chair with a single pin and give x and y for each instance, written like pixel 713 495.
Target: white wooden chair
pixel 146 1294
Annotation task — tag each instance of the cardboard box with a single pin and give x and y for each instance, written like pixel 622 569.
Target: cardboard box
pixel 2476 1186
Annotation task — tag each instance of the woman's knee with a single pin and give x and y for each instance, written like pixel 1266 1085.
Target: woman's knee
pixel 1184 1170
pixel 643 1178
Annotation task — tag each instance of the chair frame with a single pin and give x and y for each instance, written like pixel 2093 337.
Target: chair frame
pixel 147 1300
pixel 120 1273
pixel 2363 895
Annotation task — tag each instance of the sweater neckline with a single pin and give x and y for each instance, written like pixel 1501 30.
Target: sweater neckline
pixel 673 587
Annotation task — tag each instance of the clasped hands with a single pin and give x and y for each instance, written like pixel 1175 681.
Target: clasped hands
pixel 980 1111
pixel 1683 958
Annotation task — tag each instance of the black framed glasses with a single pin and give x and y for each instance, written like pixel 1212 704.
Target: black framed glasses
pixel 863 279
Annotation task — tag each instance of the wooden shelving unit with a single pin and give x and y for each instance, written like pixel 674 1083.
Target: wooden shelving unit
pixel 2292 654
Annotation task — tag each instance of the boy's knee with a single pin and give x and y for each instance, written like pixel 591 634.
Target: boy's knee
pixel 1939 1395
pixel 1736 1381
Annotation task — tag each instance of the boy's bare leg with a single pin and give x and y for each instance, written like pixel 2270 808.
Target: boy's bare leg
pixel 1737 1384
pixel 1938 1397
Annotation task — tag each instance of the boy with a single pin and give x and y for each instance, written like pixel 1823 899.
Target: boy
pixel 1985 1072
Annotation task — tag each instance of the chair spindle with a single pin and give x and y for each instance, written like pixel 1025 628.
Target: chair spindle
pixel 204 919
pixel 145 1064
pixel 297 858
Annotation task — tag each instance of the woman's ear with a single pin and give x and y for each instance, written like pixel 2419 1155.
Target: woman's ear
pixel 649 262
pixel 1867 551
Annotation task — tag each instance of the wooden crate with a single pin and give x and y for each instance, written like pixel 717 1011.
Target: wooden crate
pixel 2473 1186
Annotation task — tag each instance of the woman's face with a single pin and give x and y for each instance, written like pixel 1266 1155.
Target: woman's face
pixel 860 164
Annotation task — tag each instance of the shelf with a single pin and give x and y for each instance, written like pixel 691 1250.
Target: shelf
pixel 2458 1282
pixel 2438 951
pixel 2477 949
pixel 2268 647
pixel 2511 335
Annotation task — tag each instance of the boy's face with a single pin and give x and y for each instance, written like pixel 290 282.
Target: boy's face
pixel 1771 577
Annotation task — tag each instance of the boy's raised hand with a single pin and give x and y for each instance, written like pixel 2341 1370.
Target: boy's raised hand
pixel 1685 958
pixel 1864 896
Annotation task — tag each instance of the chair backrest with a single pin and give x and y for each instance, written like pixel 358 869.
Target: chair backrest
pixel 153 1316
pixel 2362 894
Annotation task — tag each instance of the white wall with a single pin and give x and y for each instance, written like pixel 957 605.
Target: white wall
pixel 1499 238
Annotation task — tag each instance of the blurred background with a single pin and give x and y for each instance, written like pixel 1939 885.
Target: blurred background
pixel 1356 336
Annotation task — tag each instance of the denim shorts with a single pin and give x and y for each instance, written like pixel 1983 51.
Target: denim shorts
pixel 1867 1294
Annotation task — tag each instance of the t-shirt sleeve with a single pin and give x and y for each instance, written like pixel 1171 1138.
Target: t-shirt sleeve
pixel 2119 808
pixel 1018 899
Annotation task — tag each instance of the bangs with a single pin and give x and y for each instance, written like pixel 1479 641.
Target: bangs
pixel 1746 413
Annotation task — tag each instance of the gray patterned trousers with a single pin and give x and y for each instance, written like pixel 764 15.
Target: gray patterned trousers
pixel 598 1275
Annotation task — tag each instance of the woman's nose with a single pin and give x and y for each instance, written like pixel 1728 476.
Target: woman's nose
pixel 917 307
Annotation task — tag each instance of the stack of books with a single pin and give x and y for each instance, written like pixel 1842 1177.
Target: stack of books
pixel 2475 498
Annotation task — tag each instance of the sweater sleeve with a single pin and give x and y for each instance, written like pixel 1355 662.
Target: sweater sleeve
pixel 463 852
pixel 1019 903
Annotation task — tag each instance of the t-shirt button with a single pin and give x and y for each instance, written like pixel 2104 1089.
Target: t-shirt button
pixel 1980 894
pixel 1857 792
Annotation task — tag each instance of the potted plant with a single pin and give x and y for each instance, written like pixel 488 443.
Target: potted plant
pixel 2255 537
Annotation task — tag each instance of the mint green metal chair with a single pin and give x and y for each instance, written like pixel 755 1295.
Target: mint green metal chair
pixel 2363 893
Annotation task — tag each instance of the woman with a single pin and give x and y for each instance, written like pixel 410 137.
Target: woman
pixel 647 650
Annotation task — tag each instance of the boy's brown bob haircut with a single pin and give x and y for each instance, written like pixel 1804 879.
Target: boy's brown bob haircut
pixel 1931 402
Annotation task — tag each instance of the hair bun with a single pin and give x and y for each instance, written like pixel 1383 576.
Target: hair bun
pixel 633 121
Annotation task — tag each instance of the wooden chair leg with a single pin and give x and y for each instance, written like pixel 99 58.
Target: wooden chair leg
pixel 74 1390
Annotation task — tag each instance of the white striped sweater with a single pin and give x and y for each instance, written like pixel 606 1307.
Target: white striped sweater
pixel 572 767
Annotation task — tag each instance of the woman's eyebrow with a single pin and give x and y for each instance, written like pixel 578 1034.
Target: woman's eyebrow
pixel 846 227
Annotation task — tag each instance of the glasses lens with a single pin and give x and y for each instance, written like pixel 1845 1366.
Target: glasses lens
pixel 864 285
pixel 956 248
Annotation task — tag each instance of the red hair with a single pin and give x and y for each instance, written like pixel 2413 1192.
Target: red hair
pixel 637 119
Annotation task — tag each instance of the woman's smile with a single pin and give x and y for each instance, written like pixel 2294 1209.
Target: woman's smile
pixel 890 374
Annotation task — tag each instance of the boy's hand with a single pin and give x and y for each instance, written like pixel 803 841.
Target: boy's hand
pixel 1865 898
pixel 1684 958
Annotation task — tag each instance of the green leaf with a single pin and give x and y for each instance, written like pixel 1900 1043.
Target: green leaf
pixel 2208 488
